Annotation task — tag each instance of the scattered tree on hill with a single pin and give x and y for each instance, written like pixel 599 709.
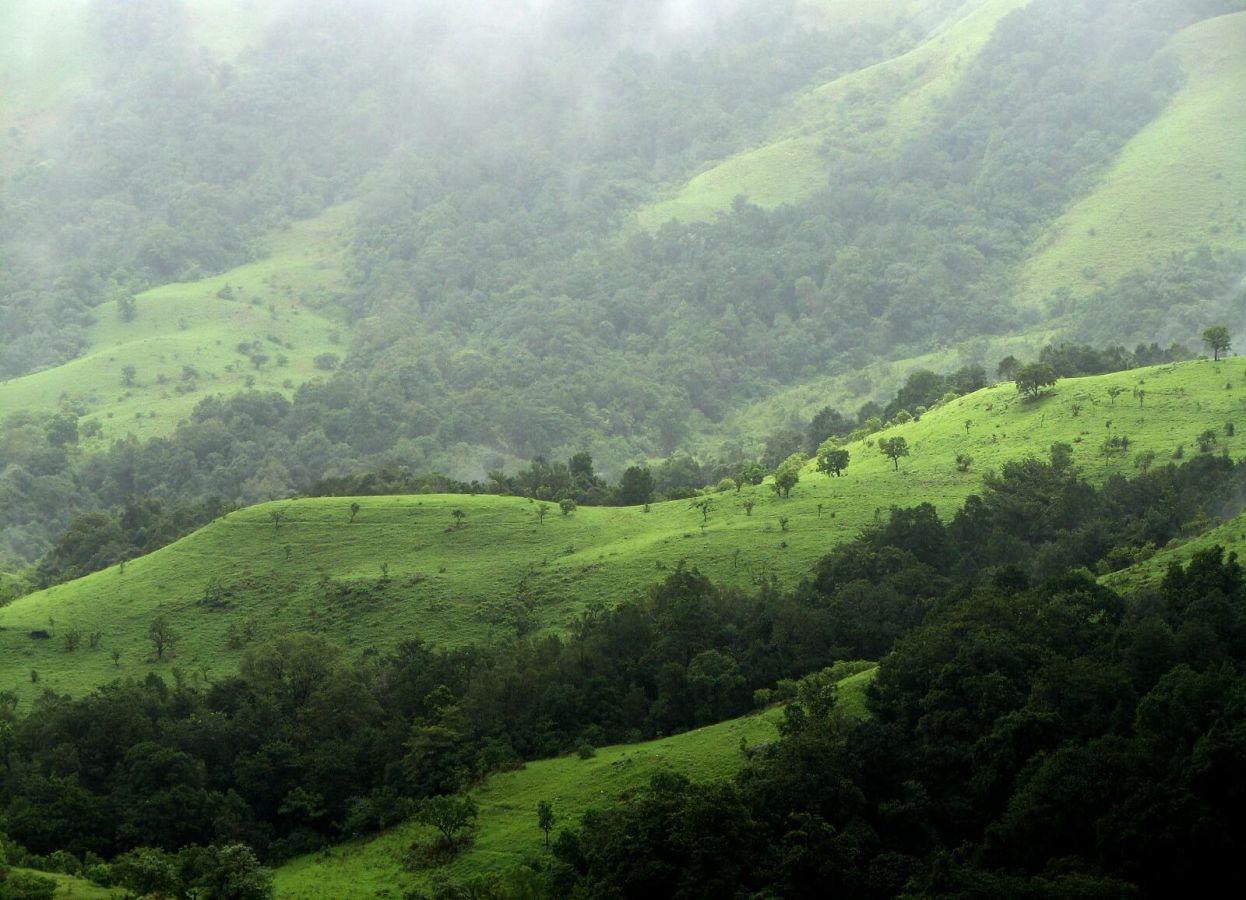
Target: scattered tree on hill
pixel 458 516
pixel 1032 378
pixel 1206 441
pixel 787 475
pixel 452 816
pixel 1144 460
pixel 832 460
pixel 1007 368
pixel 354 511
pixel 277 517
pixel 704 505
pixel 567 505
pixel 542 509
pixel 963 462
pixel 1217 340
pixel 1115 391
pixel 748 506
pixel 893 448
pixel 545 818
pixel 128 374
pixel 163 637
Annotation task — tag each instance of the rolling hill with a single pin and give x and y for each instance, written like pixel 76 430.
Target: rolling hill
pixel 406 567
pixel 837 117
pixel 183 342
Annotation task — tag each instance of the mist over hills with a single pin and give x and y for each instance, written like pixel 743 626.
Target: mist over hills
pixel 574 448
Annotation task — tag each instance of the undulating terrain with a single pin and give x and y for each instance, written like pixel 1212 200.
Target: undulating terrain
pixel 889 345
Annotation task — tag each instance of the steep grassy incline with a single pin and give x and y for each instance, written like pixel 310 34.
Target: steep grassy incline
pixel 860 111
pixel 403 569
pixel 273 301
pixel 507 833
pixel 1179 183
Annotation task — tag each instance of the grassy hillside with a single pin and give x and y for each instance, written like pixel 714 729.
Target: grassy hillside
pixel 273 301
pixel 507 832
pixel 402 568
pixel 855 112
pixel 1179 183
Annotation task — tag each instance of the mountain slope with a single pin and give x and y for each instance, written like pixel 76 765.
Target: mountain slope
pixel 837 117
pixel 403 568
pixel 192 325
pixel 1181 182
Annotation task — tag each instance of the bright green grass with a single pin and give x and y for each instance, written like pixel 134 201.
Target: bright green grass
pixel 69 886
pixel 449 585
pixel 181 325
pixel 1179 183
pixel 853 113
pixel 507 832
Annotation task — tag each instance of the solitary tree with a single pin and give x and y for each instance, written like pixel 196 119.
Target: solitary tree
pixel 787 475
pixel 963 462
pixel 893 448
pixel 163 637
pixel 705 504
pixel 541 510
pixel 451 816
pixel 1207 440
pixel 545 818
pixel 127 375
pixel 748 506
pixel 1115 391
pixel 832 460
pixel 1217 340
pixel 1032 378
pixel 459 516
pixel 354 511
pixel 567 506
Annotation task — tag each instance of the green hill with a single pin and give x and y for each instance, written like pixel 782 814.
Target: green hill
pixel 506 830
pixel 1179 183
pixel 859 111
pixel 273 303
pixel 403 569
